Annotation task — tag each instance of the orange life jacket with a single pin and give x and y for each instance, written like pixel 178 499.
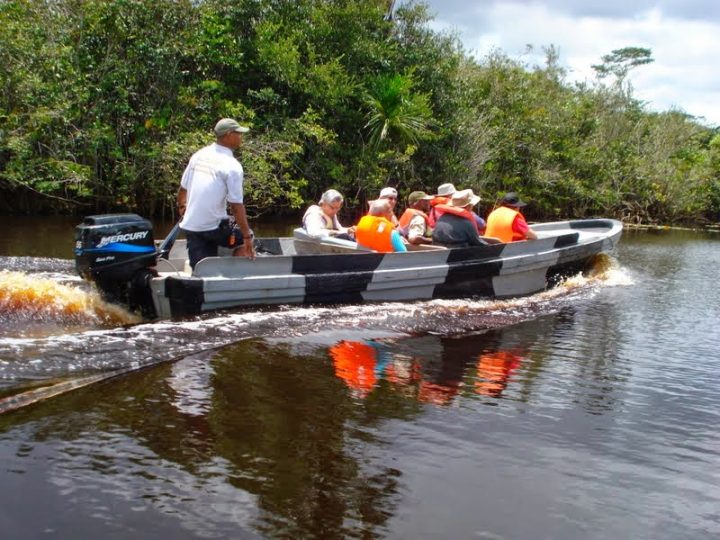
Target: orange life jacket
pixel 456 211
pixel 406 218
pixel 500 222
pixel 374 232
pixel 434 215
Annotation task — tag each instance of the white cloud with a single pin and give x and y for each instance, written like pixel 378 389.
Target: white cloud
pixel 685 47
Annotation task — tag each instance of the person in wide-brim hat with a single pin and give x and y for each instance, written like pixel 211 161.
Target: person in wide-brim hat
pixel 445 190
pixel 457 226
pixel 512 200
pixel 464 198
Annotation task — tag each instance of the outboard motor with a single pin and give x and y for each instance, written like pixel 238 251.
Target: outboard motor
pixel 117 251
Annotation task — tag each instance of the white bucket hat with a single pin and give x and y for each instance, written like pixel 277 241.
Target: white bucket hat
pixel 445 190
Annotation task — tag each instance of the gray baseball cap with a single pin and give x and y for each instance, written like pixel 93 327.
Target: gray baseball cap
pixel 226 125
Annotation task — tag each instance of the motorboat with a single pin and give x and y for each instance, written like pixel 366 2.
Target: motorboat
pixel 118 252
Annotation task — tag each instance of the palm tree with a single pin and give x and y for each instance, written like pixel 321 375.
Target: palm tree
pixel 395 113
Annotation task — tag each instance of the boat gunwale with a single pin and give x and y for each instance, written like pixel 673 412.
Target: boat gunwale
pixel 452 256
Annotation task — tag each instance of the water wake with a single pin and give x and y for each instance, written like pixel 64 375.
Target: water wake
pixel 26 298
pixel 26 361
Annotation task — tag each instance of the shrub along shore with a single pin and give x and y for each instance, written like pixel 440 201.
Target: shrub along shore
pixel 104 102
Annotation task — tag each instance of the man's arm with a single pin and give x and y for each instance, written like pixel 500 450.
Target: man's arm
pixel 246 249
pixel 520 226
pixel 339 229
pixel 416 231
pixel 397 243
pixel 480 222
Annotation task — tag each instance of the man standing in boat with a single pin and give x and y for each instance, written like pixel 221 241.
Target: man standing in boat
pixel 507 223
pixel 213 180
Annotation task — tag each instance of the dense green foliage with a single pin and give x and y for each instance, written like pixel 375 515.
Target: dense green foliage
pixel 103 102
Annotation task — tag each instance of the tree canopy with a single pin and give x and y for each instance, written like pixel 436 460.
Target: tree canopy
pixel 104 102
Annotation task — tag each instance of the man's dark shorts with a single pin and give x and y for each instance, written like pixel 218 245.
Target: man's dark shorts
pixel 206 243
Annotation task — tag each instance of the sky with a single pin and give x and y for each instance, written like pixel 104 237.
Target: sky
pixel 683 35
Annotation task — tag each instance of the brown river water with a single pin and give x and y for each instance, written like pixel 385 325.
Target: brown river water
pixel 588 411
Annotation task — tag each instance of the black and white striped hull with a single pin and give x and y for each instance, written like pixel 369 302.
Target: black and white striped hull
pixel 501 271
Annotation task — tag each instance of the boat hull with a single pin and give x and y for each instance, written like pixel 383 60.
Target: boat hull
pixel 286 277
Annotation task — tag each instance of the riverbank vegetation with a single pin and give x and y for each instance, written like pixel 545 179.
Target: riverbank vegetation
pixel 103 103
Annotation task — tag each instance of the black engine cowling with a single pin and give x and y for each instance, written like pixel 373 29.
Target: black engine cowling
pixel 117 251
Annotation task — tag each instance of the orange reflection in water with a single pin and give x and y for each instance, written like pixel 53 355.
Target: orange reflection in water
pixel 493 371
pixel 362 364
pixel 438 394
pixel 355 363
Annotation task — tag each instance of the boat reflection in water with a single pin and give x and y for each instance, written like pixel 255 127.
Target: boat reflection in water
pixel 432 369
pixel 293 423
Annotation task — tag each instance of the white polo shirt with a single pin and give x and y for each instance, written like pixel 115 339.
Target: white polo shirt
pixel 212 179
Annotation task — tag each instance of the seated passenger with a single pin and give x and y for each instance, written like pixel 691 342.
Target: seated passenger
pixel 414 223
pixel 376 231
pixel 390 194
pixel 507 223
pixel 445 192
pixel 456 226
pixel 321 219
